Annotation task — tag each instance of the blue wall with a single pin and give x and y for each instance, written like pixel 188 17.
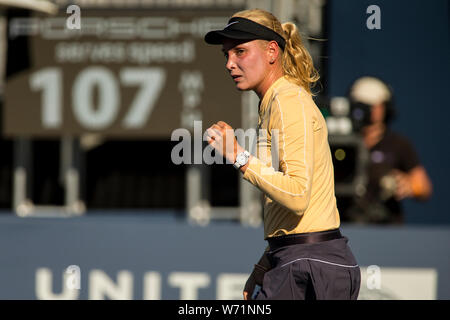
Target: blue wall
pixel 164 244
pixel 412 53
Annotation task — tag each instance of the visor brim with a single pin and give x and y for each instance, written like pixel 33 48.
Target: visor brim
pixel 217 36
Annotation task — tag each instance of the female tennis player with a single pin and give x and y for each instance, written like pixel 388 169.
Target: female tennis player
pixel 306 257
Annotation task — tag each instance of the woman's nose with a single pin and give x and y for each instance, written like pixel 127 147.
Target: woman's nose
pixel 230 64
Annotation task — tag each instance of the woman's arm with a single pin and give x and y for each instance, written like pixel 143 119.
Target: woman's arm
pixel 290 183
pixel 257 275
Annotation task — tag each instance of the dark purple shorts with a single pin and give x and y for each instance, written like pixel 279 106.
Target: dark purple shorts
pixel 325 270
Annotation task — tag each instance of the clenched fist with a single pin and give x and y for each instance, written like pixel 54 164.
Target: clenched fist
pixel 221 137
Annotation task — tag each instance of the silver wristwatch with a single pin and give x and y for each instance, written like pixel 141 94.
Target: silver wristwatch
pixel 241 159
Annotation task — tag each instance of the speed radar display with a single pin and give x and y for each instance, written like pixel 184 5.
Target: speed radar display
pixel 125 73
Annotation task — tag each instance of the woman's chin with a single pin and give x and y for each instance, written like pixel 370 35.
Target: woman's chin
pixel 242 87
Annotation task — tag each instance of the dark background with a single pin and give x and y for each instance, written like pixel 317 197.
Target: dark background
pixel 412 53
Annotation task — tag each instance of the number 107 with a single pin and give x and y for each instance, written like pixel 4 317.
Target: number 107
pixel 104 114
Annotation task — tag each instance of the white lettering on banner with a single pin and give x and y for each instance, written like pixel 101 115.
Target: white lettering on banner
pixel 121 52
pixel 151 83
pixel 230 286
pixel 181 4
pixel 101 286
pixel 152 286
pixel 49 80
pixel 191 85
pixel 44 284
pixel 122 28
pixel 105 112
pixel 159 52
pixel 398 283
pixel 189 283
pixel 76 52
pixel 156 28
pixel 147 28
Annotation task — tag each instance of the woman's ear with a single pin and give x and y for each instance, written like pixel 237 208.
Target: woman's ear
pixel 273 50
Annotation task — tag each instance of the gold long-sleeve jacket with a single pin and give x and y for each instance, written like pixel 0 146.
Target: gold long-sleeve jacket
pixel 299 186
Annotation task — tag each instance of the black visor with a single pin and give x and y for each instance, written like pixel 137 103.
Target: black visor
pixel 244 29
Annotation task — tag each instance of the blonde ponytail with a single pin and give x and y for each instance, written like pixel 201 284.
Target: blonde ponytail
pixel 297 63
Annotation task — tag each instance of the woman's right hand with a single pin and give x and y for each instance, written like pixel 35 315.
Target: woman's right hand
pixel 249 286
pixel 257 276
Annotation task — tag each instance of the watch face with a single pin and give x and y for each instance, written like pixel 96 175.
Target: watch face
pixel 241 159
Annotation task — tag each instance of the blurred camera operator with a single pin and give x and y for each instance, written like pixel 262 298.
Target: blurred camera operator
pixel 394 171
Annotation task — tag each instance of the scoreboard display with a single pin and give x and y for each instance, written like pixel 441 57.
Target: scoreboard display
pixel 124 73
